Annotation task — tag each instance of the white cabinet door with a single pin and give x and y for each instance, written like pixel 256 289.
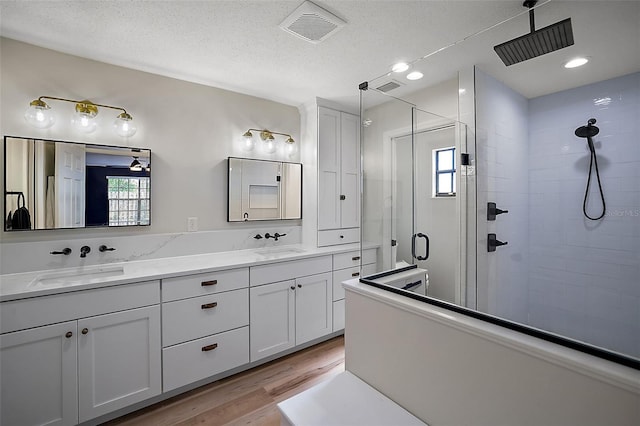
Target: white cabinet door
pixel 118 360
pixel 328 168
pixel 349 171
pixel 38 376
pixel 313 307
pixel 272 318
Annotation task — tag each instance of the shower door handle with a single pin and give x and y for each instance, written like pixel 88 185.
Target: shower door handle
pixel 426 246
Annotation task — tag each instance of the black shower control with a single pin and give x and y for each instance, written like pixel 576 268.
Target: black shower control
pixel 493 242
pixel 493 211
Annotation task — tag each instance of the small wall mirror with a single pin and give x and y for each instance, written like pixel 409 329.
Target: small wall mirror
pixel 263 190
pixel 60 185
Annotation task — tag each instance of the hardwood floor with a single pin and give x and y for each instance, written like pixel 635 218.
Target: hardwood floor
pixel 247 398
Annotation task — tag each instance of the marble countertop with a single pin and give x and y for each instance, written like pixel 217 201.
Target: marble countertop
pixel 47 282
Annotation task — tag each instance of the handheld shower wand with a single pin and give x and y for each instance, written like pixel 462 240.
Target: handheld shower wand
pixel 588 132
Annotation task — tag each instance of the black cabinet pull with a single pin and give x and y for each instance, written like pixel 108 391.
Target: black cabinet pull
pixel 355 258
pixel 355 274
pixel 209 347
pixel 68 335
pixel 208 283
pixel 209 305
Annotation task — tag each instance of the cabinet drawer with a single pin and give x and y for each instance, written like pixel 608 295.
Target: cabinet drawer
pixel 193 318
pixel 192 361
pixel 339 277
pixel 283 271
pixel 201 284
pixel 338 236
pixel 354 258
pixel 338 315
pixel 44 310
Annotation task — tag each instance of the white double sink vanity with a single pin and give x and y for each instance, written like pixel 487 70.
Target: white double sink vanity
pixel 87 342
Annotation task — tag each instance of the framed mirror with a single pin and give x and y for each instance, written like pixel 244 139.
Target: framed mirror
pixel 61 185
pixel 263 190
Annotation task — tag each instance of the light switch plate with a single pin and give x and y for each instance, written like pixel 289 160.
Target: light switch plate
pixel 192 224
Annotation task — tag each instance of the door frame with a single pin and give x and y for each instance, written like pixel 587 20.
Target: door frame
pixel 388 149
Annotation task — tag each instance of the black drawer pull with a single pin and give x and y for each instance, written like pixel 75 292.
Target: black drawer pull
pixel 209 305
pixel 208 283
pixel 355 274
pixel 209 347
pixel 355 258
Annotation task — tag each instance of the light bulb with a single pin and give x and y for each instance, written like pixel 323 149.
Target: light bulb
pixel 247 142
pixel 400 67
pixel 84 117
pixel 291 149
pixel 124 126
pixel 39 115
pixel 270 146
pixel 415 75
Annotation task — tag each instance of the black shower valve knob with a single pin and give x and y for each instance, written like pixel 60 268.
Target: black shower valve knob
pixel 493 211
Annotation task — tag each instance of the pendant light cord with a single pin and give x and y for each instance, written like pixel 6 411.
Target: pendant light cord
pixel 594 160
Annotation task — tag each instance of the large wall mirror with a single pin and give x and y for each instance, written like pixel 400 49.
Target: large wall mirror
pixel 65 185
pixel 264 190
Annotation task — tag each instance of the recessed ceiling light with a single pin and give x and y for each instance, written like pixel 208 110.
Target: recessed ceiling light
pixel 400 67
pixel 577 62
pixel 415 75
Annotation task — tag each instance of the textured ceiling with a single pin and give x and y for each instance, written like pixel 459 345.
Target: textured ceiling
pixel 237 45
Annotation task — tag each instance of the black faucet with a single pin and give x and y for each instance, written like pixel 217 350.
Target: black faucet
pixel 65 251
pixel 84 250
pixel 104 248
pixel 274 236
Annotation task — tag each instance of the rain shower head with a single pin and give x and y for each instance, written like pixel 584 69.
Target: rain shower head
pixel 537 42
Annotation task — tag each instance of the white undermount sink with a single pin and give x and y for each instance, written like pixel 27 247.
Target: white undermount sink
pixel 77 276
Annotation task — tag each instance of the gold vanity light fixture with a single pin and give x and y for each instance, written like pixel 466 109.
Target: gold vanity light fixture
pixel 39 115
pixel 268 139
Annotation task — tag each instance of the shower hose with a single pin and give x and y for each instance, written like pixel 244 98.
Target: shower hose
pixel 594 160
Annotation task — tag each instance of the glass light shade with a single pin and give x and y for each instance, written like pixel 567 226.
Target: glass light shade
pixel 39 115
pixel 124 126
pixel 291 149
pixel 247 142
pixel 84 122
pixel 270 146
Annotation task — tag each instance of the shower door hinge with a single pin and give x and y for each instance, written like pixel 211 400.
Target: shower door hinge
pixel 394 243
pixel 464 159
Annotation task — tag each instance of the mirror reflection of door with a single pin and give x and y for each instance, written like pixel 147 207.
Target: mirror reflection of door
pixel 417 208
pixel 69 185
pixel 261 190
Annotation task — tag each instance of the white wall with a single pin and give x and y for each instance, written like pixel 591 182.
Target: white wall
pixel 448 369
pixel 502 177
pixel 191 129
pixel 584 274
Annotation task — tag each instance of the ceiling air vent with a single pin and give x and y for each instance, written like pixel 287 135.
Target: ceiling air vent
pixel 388 86
pixel 312 23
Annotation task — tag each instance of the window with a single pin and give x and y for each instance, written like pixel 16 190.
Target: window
pixel 128 200
pixel 445 172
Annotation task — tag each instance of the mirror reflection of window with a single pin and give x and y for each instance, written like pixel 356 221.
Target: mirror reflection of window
pixel 65 184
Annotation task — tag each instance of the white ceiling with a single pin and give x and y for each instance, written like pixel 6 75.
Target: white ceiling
pixel 237 45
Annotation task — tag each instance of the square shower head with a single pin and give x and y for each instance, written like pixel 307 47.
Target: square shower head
pixel 536 43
